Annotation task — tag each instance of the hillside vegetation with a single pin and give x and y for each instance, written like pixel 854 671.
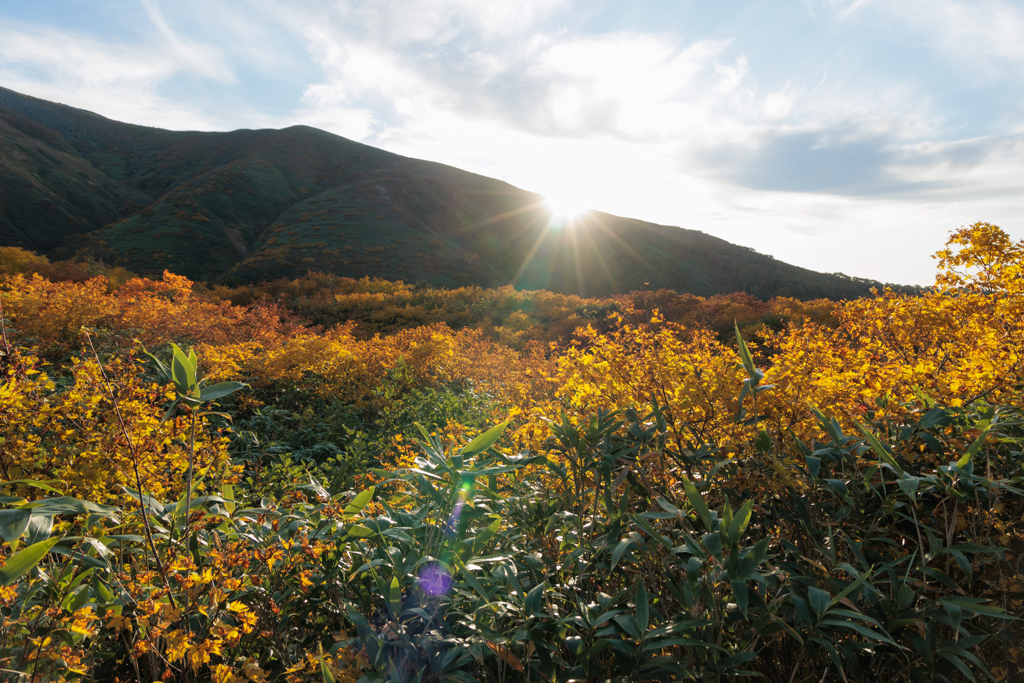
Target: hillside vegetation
pixel 249 206
pixel 331 479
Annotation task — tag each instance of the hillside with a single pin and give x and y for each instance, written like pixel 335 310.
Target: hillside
pixel 257 205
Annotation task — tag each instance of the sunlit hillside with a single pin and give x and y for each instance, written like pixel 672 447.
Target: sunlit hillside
pixel 248 206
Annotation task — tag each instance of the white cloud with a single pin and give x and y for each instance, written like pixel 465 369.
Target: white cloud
pixel 778 104
pixel 189 56
pixel 984 36
pixel 122 81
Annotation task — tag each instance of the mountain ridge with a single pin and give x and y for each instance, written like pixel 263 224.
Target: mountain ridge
pixel 251 205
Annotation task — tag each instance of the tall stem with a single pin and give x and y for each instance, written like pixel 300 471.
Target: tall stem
pixel 135 467
pixel 3 331
pixel 188 484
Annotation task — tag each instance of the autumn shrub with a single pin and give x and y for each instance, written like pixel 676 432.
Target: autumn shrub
pixel 70 433
pixel 51 315
pixel 257 580
pixel 18 261
pixel 160 311
pixel 957 344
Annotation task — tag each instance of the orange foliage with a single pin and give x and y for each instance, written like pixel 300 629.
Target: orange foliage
pixel 50 314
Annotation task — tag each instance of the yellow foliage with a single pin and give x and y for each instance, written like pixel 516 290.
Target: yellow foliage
pixel 74 436
pixel 17 261
pixel 696 381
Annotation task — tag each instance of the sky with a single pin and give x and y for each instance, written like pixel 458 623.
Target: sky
pixel 841 136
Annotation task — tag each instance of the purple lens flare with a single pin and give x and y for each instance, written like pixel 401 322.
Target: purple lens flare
pixel 435 580
pixel 464 493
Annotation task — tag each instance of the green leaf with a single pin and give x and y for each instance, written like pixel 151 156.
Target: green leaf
pixel 423 431
pixel 44 485
pixel 471 579
pixel 619 549
pixel 212 393
pixel 954 612
pixel 936 417
pixel 748 361
pixel 819 600
pixel 831 649
pixel 697 501
pixel 849 589
pixel 763 442
pixel 80 557
pixel 828 426
pixel 627 622
pixel 485 536
pixel 958 663
pixel 395 598
pixel 70 506
pixel 961 559
pixel 726 526
pixel 160 366
pixel 24 560
pixel 861 629
pixel 325 671
pixel 356 505
pixel 228 491
pixel 484 441
pixel 13 523
pixel 713 542
pixel 183 373
pixel 649 528
pixel 152 504
pixel 642 609
pixel 740 521
pixel 171 411
pixel 39 528
pixel 739 589
pixel 534 599
pixel 667 506
pixel 878 448
pixel 974 448
pixel 360 531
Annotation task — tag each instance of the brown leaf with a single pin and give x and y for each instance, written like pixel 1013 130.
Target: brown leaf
pixel 507 656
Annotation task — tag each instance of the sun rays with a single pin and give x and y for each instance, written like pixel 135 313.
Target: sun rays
pixel 566 209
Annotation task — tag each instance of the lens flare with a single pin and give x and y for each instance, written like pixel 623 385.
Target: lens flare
pixel 465 491
pixel 435 580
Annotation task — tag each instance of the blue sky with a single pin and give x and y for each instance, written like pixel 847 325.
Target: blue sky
pixel 843 136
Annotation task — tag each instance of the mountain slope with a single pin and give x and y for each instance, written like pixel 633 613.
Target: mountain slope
pixel 250 205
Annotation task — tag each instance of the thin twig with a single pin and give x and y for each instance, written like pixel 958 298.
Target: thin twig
pixel 135 467
pixel 3 331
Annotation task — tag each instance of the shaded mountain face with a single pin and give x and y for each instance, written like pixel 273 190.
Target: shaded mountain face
pixel 258 205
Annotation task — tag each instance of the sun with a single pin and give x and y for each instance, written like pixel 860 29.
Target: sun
pixel 565 207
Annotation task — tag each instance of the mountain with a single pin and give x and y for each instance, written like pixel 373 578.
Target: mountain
pixel 263 204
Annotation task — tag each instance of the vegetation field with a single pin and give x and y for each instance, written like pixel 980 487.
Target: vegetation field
pixel 320 478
